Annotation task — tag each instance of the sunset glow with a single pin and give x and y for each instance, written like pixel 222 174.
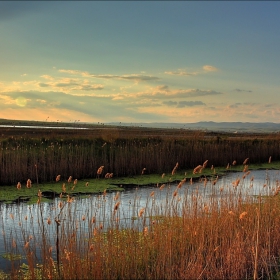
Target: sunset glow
pixel 129 61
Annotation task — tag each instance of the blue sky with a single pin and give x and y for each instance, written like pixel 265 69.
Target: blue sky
pixel 140 61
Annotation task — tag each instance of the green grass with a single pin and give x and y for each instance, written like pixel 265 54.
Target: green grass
pixel 9 194
pixel 49 191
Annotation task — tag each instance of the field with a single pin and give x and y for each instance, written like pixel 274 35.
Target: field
pixel 231 237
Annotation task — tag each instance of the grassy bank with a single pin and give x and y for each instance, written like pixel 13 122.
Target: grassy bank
pixel 73 187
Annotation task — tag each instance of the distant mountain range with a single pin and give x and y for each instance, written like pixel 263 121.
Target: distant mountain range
pixel 236 127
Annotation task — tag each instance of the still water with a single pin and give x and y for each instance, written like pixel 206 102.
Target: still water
pixel 19 222
pixel 40 126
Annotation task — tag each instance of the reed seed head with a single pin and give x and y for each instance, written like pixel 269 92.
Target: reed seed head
pixel 146 231
pixel 236 182
pixel 57 179
pixel 198 169
pixel 205 163
pixel 26 246
pixel 91 247
pixel 142 210
pixel 100 170
pixel 242 215
pixel 116 207
pixel 117 196
pixel 245 169
pixel 28 184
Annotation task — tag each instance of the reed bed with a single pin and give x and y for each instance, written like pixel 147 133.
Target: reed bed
pixel 175 235
pixel 121 153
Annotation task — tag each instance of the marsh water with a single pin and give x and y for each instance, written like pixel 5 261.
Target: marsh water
pixel 22 222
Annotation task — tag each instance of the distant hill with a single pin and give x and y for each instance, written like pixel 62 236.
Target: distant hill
pixel 233 127
pixel 237 127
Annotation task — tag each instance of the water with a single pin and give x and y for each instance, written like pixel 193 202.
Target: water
pixel 22 222
pixel 40 126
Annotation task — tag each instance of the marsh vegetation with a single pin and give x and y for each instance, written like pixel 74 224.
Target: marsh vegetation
pixel 176 235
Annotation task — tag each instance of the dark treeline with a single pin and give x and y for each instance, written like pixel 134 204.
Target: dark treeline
pixel 43 159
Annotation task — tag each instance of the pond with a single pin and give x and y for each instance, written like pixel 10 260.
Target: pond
pixel 21 222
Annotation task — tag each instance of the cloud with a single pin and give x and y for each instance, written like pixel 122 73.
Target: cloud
pixel 209 68
pixel 170 103
pixel 236 105
pixel 69 85
pixel 47 77
pixel 242 90
pixel 268 105
pixel 90 87
pixel 182 104
pixel 43 85
pixel 180 73
pixel 102 107
pixel 6 100
pixel 183 72
pixel 131 77
pixel 165 92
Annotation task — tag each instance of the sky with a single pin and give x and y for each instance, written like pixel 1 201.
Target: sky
pixel 140 61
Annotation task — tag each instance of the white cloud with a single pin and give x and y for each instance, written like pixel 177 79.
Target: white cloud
pixel 181 73
pixel 209 68
pixel 47 77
